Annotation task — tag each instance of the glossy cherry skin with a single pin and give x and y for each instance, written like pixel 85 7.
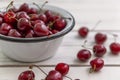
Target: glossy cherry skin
pixel 41 30
pixel 84 55
pixel 43 17
pixel 14 33
pixel 37 21
pixel 4 29
pixel 9 17
pixel 30 34
pixel 115 48
pixel 100 38
pixel 32 11
pixel 1 20
pixel 54 75
pixel 83 32
pixel 97 64
pixel 24 7
pixel 48 13
pixel 99 50
pixel 63 68
pixel 60 24
pixel 22 14
pixel 27 75
pixel 23 24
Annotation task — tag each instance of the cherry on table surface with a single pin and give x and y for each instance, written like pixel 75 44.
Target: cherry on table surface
pixel 27 75
pixel 63 68
pixel 96 64
pixel 54 75
pixel 99 50
pixel 83 32
pixel 84 55
pixel 100 38
pixel 115 48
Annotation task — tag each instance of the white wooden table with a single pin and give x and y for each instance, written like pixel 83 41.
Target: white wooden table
pixel 87 13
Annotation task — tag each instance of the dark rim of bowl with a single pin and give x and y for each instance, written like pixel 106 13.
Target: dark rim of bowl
pixel 67 29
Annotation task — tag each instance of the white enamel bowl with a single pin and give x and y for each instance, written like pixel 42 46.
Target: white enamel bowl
pixel 36 49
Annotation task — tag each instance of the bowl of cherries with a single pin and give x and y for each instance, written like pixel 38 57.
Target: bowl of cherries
pixel 32 32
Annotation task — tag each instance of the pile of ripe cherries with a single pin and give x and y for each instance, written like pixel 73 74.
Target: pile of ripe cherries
pixel 29 22
pixel 98 49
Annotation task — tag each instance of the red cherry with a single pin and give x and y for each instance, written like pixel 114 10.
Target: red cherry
pixel 63 68
pixel 43 17
pixel 27 75
pixel 100 38
pixel 84 55
pixel 32 11
pixel 1 20
pixel 37 21
pixel 24 7
pixel 97 64
pixel 14 33
pixel 30 34
pixel 59 24
pixel 83 32
pixel 23 24
pixel 115 48
pixel 22 15
pixel 54 75
pixel 99 50
pixel 4 29
pixel 34 17
pixel 48 13
pixel 9 17
pixel 41 30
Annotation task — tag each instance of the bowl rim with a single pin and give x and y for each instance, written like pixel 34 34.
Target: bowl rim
pixel 67 29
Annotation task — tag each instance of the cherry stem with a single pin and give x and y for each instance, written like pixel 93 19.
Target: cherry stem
pixel 31 66
pixel 9 5
pixel 68 77
pixel 115 36
pixel 95 26
pixel 40 8
pixel 84 45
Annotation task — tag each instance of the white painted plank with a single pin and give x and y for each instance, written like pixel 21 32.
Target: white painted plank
pixel 75 72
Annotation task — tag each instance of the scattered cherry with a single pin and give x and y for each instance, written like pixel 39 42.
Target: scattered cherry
pixel 100 38
pixel 115 48
pixel 63 68
pixel 54 75
pixel 27 75
pixel 99 50
pixel 84 55
pixel 96 64
pixel 83 32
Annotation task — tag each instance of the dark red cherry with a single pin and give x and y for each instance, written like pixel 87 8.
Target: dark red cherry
pixel 37 21
pixel 9 17
pixel 43 17
pixel 100 38
pixel 59 24
pixel 34 17
pixel 115 48
pixel 27 75
pixel 23 24
pixel 97 64
pixel 32 11
pixel 54 75
pixel 4 29
pixel 84 55
pixel 22 14
pixel 83 32
pixel 53 18
pixel 54 31
pixel 41 30
pixel 14 33
pixel 63 68
pixel 30 34
pixel 1 20
pixel 48 13
pixel 99 50
pixel 1 14
pixel 24 7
